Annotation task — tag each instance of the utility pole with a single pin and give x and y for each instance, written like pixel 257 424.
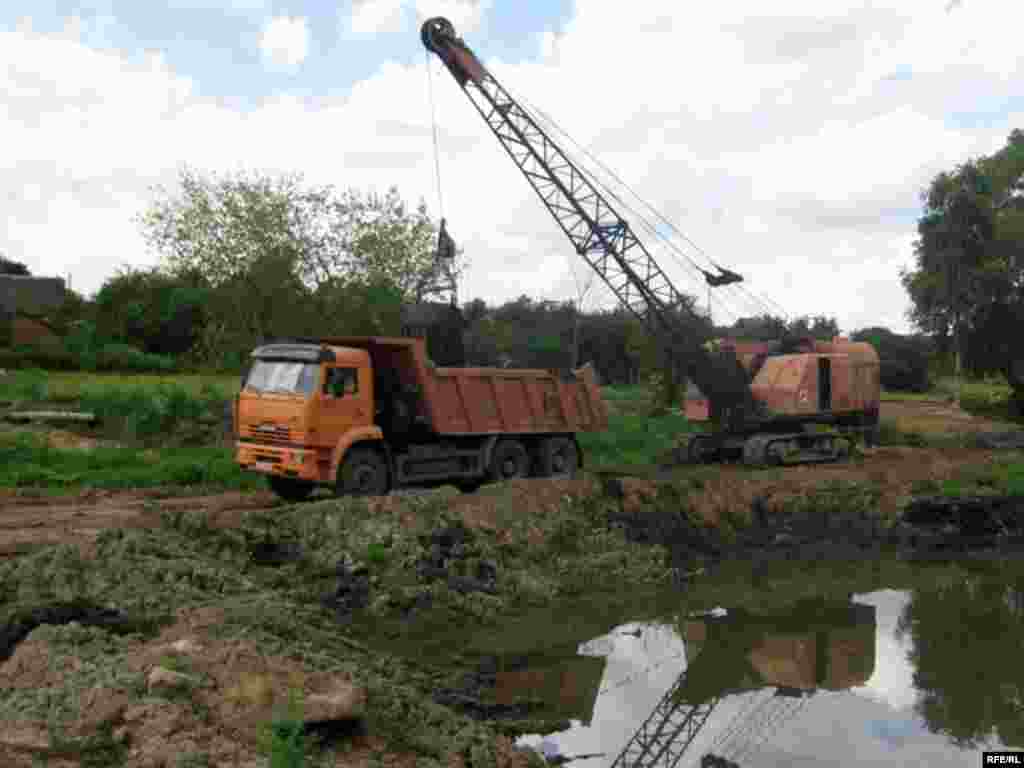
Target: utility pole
pixel 574 360
pixel 956 334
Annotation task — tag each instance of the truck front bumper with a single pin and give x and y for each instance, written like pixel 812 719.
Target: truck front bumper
pixel 286 461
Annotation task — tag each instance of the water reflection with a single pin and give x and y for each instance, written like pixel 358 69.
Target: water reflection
pixel 978 620
pixel 888 677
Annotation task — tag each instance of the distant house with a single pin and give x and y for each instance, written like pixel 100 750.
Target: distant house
pixel 32 332
pixel 24 304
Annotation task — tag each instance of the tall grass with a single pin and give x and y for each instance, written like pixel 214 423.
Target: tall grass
pixel 633 436
pixel 68 386
pixel 129 408
pixel 27 460
pixel 182 417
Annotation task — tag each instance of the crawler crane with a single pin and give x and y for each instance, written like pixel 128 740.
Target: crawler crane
pixel 764 403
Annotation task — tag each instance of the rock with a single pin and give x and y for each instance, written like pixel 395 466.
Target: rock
pixel 252 689
pixel 186 645
pixel 25 735
pixel 160 678
pixel 343 701
pixel 353 590
pixel 1013 439
pixel 466 584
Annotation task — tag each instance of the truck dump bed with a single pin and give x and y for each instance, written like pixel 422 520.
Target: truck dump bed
pixel 471 401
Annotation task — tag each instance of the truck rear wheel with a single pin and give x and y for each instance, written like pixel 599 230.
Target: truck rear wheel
pixel 558 457
pixel 290 489
pixel 363 473
pixel 509 461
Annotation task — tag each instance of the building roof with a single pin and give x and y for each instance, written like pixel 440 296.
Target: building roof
pixel 30 295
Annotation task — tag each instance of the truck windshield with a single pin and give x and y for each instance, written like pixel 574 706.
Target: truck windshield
pixel 284 376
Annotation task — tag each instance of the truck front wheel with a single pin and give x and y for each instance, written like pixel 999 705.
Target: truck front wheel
pixel 509 461
pixel 363 473
pixel 290 489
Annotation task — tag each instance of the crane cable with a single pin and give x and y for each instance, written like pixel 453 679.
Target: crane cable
pixel 758 300
pixel 433 125
pixel 548 119
pixel 646 224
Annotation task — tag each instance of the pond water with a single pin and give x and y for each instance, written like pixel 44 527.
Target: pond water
pixel 929 675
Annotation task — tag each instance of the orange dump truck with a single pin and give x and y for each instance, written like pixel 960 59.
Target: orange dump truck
pixel 367 414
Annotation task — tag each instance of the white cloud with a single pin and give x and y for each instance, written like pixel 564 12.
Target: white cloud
pixel 780 146
pixel 374 17
pixel 285 42
pixel 465 15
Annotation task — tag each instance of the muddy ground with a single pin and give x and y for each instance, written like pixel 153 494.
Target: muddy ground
pixel 26 521
pixel 151 629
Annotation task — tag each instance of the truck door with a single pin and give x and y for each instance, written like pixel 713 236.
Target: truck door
pixel 344 401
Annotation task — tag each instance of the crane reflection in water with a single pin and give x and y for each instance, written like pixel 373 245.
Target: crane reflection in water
pixel 774 663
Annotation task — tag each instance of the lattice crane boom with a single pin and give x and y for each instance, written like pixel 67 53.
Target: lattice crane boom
pixel 597 231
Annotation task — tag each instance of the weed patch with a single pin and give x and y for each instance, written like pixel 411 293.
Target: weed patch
pixel 634 438
pixel 28 460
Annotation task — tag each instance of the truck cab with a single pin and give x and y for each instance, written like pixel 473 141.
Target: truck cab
pixel 297 404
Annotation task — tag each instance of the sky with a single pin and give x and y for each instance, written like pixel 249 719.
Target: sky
pixel 788 144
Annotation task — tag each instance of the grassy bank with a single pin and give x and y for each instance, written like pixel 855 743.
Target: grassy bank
pixel 153 431
pixel 71 386
pixel 169 431
pixel 321 584
pixel 29 460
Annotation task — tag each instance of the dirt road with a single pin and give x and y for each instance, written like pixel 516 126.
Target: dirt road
pixel 937 416
pixel 26 522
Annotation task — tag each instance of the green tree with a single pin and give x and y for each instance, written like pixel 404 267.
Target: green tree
pixel 818 327
pixel 904 359
pixel 152 310
pixel 967 284
pixel 10 267
pixel 761 328
pixel 280 257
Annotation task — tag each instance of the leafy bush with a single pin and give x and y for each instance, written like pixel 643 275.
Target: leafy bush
pixel 904 376
pixel 38 357
pixel 634 438
pixel 138 413
pixel 80 356
pixel 904 359
pixel 122 357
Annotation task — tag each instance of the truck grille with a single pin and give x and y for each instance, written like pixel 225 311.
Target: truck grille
pixel 270 433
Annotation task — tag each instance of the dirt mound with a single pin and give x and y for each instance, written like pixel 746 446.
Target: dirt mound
pixel 493 507
pixel 888 473
pixel 183 693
